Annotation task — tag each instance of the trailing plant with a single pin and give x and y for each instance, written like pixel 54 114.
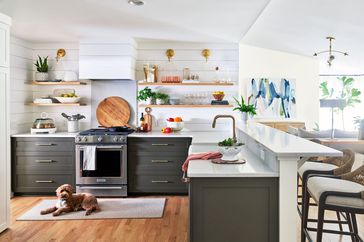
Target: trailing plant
pixel 42 64
pixel 358 121
pixel 145 93
pixel 161 96
pixel 242 107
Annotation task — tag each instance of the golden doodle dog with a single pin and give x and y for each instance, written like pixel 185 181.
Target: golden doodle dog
pixel 69 202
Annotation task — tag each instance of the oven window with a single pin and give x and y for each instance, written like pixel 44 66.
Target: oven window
pixel 108 164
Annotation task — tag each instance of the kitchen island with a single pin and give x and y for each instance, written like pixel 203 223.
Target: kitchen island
pixel 255 201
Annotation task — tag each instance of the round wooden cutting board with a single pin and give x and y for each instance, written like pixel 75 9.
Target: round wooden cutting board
pixel 113 111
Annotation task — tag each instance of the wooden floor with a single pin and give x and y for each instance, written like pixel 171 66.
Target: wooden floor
pixel 172 227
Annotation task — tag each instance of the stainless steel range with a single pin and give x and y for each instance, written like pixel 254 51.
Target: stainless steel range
pixel 101 161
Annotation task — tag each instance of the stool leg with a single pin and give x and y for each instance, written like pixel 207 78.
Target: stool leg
pixel 355 226
pixel 305 208
pixel 350 225
pixel 339 219
pixel 320 223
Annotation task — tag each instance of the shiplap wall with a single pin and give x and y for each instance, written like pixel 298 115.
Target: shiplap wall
pixel 188 55
pixel 21 70
pixel 69 63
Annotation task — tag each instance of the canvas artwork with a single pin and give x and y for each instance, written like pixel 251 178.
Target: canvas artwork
pixel 273 98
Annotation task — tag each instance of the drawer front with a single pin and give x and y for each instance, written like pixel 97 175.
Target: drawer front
pixel 44 162
pixel 44 145
pixel 41 183
pixel 155 163
pixel 179 145
pixel 157 184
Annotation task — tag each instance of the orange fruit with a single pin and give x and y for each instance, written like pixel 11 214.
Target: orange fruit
pixel 178 119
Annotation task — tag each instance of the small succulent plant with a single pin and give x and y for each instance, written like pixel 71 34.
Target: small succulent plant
pixel 42 64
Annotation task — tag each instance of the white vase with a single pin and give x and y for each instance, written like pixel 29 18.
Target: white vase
pixel 149 101
pixel 160 102
pixel 41 76
pixel 244 117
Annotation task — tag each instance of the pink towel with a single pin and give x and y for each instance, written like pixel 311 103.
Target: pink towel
pixel 200 156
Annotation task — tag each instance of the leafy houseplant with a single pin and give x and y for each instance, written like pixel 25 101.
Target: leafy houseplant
pixel 161 98
pixel 350 94
pixel 229 149
pixel 146 95
pixel 245 109
pixel 42 69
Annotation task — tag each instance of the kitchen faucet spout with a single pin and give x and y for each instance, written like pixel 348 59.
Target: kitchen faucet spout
pixel 225 116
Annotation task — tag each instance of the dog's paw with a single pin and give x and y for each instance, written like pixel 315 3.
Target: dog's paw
pixel 55 214
pixel 43 212
pixel 88 213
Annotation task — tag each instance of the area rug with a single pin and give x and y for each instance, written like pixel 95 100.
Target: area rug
pixel 116 208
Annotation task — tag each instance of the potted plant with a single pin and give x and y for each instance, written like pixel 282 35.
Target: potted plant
pixel 229 149
pixel 359 122
pixel 244 109
pixel 42 69
pixel 161 98
pixel 146 95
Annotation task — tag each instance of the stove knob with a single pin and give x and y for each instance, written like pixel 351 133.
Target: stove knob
pixel 115 139
pixel 84 138
pixel 122 139
pixel 78 139
pixel 99 139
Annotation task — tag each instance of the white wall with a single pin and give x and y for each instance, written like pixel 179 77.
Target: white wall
pixel 21 71
pixel 259 62
pixel 188 55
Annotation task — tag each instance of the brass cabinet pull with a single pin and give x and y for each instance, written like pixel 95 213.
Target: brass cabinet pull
pixel 160 161
pixel 160 181
pixel 50 181
pixel 160 144
pixel 44 161
pixel 48 144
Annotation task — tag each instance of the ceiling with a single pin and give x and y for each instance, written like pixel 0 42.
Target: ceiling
pixel 293 26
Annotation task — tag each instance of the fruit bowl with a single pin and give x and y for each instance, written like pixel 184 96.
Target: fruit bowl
pixel 68 99
pixel 175 126
pixel 218 96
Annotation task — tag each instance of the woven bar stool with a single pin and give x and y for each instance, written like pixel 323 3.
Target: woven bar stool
pixel 344 193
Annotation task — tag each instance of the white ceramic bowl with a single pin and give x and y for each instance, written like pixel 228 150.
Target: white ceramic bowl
pixel 68 99
pixel 176 126
pixel 229 153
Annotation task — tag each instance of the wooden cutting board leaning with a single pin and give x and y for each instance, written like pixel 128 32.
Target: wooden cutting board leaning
pixel 112 112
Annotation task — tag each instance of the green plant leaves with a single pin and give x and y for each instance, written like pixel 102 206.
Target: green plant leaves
pixel 242 107
pixel 42 64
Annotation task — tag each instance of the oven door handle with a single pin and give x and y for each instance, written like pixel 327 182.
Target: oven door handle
pixel 104 147
pixel 99 188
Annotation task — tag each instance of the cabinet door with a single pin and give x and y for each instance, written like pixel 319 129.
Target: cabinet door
pixel 4 162
pixel 4 45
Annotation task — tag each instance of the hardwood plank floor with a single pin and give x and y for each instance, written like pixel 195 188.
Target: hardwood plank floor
pixel 171 228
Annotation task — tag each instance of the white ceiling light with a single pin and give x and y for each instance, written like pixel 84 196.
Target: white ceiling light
pixel 136 2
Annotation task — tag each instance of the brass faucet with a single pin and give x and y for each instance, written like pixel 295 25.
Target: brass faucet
pixel 225 116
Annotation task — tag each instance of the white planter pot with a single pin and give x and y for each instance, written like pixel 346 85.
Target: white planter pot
pixel 149 101
pixel 160 102
pixel 230 153
pixel 41 76
pixel 244 117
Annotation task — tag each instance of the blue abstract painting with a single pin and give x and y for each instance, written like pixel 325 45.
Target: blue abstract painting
pixel 273 97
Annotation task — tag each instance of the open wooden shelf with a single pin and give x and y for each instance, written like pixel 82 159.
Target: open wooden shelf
pixel 70 83
pixel 55 104
pixel 186 106
pixel 186 84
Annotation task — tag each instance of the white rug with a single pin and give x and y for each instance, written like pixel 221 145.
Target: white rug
pixel 116 208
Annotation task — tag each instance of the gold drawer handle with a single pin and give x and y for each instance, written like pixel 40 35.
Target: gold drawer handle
pixel 160 181
pixel 160 144
pixel 44 161
pixel 160 161
pixel 50 144
pixel 50 181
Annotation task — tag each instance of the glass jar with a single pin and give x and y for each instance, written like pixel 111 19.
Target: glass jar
pixel 44 122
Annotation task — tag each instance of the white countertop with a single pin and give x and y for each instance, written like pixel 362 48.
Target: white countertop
pixel 254 167
pixel 284 144
pixel 197 137
pixel 55 135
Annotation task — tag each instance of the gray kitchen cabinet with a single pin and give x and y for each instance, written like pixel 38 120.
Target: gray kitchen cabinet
pixel 154 165
pixel 233 209
pixel 40 165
